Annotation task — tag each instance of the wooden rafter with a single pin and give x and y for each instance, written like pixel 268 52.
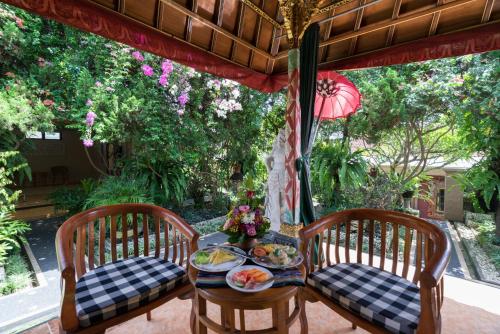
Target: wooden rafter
pixel 219 8
pixel 189 23
pixel 357 25
pixel 409 16
pixel 275 42
pixel 159 14
pixel 435 20
pixel 392 29
pixel 239 27
pixel 488 7
pixel 257 31
pixel 261 13
pixel 323 52
pixel 220 30
pixel 120 6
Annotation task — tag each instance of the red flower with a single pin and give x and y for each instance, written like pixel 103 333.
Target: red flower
pixel 250 194
pixel 19 22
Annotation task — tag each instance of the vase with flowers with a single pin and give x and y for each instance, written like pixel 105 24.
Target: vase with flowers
pixel 245 223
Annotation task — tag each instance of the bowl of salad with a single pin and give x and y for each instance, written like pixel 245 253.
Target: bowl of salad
pixel 249 278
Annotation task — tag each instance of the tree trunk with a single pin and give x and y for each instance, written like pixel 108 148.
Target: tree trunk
pixel 497 221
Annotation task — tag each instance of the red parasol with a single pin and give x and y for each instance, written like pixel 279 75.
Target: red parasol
pixel 336 96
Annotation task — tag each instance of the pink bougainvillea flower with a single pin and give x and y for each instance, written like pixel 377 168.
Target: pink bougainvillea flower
pixel 147 70
pixel 89 102
pixel 167 67
pixel 88 142
pixel 90 118
pixel 244 208
pixel 180 112
pixel 98 84
pixel 19 22
pixel 110 89
pixel 48 103
pixel 163 80
pixel 137 56
pixel 183 99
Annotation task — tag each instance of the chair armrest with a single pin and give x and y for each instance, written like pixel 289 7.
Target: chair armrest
pixel 434 271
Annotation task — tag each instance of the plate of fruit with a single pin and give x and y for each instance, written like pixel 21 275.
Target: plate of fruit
pixel 276 256
pixel 249 278
pixel 216 259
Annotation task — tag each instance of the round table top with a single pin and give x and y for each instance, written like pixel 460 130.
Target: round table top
pixel 242 300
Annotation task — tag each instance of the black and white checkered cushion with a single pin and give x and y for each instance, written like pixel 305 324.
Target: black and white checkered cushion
pixel 118 287
pixel 378 296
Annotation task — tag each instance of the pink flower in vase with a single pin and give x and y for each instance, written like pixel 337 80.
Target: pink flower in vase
pixel 227 224
pixel 244 208
pixel 251 231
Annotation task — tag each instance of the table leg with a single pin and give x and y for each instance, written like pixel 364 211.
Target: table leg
pixel 201 304
pixel 242 321
pixel 301 303
pixel 192 320
pixel 281 314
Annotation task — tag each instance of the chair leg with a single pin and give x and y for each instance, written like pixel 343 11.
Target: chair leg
pixel 148 315
pixel 354 326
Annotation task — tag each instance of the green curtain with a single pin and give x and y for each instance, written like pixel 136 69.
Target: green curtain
pixel 308 74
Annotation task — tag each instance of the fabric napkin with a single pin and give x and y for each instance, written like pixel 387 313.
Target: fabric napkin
pixel 281 278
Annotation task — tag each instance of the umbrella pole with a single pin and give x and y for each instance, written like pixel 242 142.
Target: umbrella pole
pixel 316 129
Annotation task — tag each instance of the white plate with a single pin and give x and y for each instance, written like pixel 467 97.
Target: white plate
pixel 216 268
pixel 266 262
pixel 259 287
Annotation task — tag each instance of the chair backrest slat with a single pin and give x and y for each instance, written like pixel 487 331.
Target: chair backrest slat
pixel 80 250
pixel 124 235
pixel 311 255
pixel 167 241
pixel 321 257
pixel 359 246
pixel 337 244
pixel 347 241
pixel 418 258
pixel 145 233
pixel 181 249
pixel 157 236
pixel 136 234
pixel 383 241
pixel 113 238
pixel 91 245
pixel 328 242
pixel 371 234
pixel 174 244
pixel 407 251
pixel 395 247
pixel 102 240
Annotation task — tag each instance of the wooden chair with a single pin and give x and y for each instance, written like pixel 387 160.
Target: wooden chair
pixel 104 282
pixel 359 274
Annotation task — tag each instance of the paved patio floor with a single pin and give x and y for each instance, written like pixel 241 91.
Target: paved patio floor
pixel 469 307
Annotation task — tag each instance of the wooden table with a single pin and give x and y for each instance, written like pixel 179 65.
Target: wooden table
pixel 277 299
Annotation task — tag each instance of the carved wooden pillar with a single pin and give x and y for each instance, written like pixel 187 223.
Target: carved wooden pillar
pixel 297 16
pixel 291 215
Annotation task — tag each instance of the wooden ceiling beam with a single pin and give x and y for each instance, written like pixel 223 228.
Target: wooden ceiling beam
pixel 357 25
pixel 261 13
pixel 159 14
pixel 410 16
pixel 488 7
pixel 435 20
pixel 392 29
pixel 219 9
pixel 220 30
pixel 323 52
pixel 239 27
pixel 189 23
pixel 275 43
pixel 256 32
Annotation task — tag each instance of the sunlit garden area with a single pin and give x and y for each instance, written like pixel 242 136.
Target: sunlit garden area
pixel 87 122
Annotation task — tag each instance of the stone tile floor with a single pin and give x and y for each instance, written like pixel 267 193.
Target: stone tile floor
pixel 469 307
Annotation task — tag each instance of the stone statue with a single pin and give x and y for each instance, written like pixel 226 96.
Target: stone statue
pixel 275 197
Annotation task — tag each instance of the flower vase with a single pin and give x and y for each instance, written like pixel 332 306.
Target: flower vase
pixel 247 244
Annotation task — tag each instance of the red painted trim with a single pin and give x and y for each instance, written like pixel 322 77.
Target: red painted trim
pixel 475 40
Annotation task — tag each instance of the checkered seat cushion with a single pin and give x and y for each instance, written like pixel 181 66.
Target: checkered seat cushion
pixel 376 295
pixel 118 287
